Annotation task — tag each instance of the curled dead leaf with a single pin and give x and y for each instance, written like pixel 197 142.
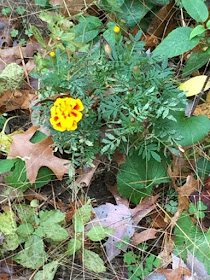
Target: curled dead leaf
pixel 174 273
pixel 143 236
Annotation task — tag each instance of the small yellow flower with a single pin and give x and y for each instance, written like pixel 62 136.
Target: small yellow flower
pixel 52 54
pixel 66 113
pixel 116 29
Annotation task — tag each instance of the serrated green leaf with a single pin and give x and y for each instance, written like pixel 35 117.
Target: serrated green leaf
pixel 195 62
pixel 11 242
pixel 82 216
pixel 33 255
pixel 176 43
pixel 189 237
pixel 54 231
pixel 97 233
pixel 93 262
pixel 48 271
pixel 24 230
pixel 196 9
pixel 198 30
pixel 73 246
pixel 137 176
pixel 25 213
pixel 8 223
pixel 52 216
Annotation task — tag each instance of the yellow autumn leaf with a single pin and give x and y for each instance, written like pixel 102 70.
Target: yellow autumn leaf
pixel 194 85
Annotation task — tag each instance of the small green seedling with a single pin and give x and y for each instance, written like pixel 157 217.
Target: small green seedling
pixel 198 210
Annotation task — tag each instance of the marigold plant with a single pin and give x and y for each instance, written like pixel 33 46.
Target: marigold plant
pixel 66 113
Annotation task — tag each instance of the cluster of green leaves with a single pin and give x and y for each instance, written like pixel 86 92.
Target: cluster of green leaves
pixel 183 39
pixel 138 268
pixel 33 230
pixel 124 92
pixel 91 260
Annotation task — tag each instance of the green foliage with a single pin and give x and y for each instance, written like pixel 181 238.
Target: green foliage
pixel 18 178
pixel 6 11
pixel 196 9
pixel 73 246
pixel 48 271
pixel 172 206
pixel 132 92
pixel 20 10
pixel 203 168
pixel 136 269
pixel 195 61
pixel 14 33
pixel 97 233
pixel 198 30
pixel 186 131
pixel 93 262
pixel 197 210
pixel 137 176
pixel 179 43
pixel 189 237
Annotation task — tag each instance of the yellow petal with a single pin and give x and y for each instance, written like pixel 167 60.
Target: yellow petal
pixel 194 85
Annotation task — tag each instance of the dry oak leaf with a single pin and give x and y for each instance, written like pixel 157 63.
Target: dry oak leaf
pixel 175 274
pixel 37 155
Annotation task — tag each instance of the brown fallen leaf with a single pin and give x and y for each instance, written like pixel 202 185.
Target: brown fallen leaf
pixel 14 54
pixel 143 236
pixel 203 109
pixel 175 274
pixel 163 22
pixel 86 175
pixel 71 7
pixel 18 99
pixel 37 155
pixel 158 219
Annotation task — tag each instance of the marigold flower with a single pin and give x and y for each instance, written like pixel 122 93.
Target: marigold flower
pixel 66 113
pixel 52 54
pixel 116 29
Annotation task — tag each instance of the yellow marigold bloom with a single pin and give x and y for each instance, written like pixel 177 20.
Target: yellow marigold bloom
pixel 116 29
pixel 52 54
pixel 66 113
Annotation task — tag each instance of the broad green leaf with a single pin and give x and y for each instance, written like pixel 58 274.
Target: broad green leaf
pixel 6 164
pixel 137 176
pixel 203 168
pixel 187 130
pixel 73 246
pixel 38 137
pixel 11 242
pixel 24 230
pixel 195 62
pixel 93 262
pixel 54 231
pixel 52 216
pixel 48 271
pixel 134 11
pixel 97 233
pixel 116 4
pixel 189 237
pixel 25 213
pixel 198 30
pixel 196 9
pixel 83 214
pixel 194 85
pixel 177 42
pixel 208 24
pixel 33 255
pixel 87 29
pixel 8 223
